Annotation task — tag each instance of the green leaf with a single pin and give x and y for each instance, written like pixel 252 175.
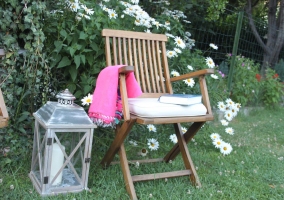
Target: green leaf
pixel 83 59
pixel 58 46
pixel 64 62
pixel 73 72
pixel 83 36
pixel 77 61
pixel 63 33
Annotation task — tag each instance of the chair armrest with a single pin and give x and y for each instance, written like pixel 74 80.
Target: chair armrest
pixel 126 69
pixel 192 75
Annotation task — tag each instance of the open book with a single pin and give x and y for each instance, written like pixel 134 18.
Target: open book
pixel 181 99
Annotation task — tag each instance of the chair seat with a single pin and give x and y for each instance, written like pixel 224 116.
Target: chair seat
pixel 151 107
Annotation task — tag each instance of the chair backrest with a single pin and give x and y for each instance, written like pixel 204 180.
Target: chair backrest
pixel 146 52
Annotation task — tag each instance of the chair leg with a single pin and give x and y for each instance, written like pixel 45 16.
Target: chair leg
pixel 191 132
pixel 121 133
pixel 126 173
pixel 182 148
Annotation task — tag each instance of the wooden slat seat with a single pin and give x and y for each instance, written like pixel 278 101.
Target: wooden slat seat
pixel 145 54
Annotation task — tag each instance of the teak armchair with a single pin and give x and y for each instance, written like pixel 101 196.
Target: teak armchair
pixel 145 54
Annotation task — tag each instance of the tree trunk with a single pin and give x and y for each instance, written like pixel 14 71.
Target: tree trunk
pixel 275 35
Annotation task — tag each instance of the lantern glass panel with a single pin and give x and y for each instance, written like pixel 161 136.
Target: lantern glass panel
pixel 71 158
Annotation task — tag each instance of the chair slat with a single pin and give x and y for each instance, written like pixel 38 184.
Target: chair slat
pixel 150 66
pixel 154 65
pixel 125 55
pixel 166 69
pixel 140 66
pixel 161 74
pixel 130 52
pixel 145 67
pixel 119 51
pixel 137 73
pixel 107 51
pixel 114 51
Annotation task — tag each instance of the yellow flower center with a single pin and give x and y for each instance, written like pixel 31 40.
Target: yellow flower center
pixel 88 100
pixel 225 148
pixel 218 142
pixel 152 144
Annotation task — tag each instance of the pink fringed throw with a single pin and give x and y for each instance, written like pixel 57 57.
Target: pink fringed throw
pixel 106 104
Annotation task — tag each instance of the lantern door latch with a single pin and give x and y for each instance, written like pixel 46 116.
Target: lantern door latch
pixel 49 141
pixel 45 180
pixel 87 160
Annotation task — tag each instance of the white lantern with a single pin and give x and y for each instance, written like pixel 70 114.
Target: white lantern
pixel 62 147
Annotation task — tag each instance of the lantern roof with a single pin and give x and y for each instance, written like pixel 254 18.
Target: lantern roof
pixel 63 114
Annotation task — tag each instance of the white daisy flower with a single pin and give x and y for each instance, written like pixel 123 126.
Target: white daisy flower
pixel 173 138
pixel 74 6
pixel 221 106
pixel 230 131
pixel 177 50
pixel 224 122
pixel 214 76
pixel 147 31
pixel 229 115
pixel 179 42
pixel 218 143
pixel 226 148
pixel 234 110
pixel 171 54
pixel 87 99
pixel 143 152
pixel 169 35
pixel 190 82
pixel 229 102
pixel 135 1
pixel 215 136
pixel 238 105
pixel 151 127
pixel 189 67
pixel 175 73
pixel 88 10
pixel 213 46
pixel 183 129
pixel 112 14
pixel 132 142
pixel 153 144
pixel 209 62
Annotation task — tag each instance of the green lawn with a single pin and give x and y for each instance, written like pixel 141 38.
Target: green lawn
pixel 254 170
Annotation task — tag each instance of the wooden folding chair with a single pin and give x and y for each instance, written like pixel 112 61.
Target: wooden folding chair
pixel 145 54
pixel 4 117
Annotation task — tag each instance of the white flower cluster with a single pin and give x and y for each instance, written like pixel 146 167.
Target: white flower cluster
pixel 79 8
pixel 230 110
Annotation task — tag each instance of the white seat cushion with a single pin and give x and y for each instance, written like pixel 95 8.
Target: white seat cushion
pixel 151 107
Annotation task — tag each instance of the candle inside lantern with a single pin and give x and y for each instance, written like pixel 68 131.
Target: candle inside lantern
pixel 56 163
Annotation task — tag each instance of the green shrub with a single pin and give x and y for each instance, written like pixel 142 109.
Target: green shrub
pixel 272 89
pixel 245 86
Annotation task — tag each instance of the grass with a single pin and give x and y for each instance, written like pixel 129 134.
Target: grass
pixel 254 170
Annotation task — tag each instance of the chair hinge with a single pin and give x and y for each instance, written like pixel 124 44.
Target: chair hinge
pixel 87 160
pixel 49 141
pixel 45 180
